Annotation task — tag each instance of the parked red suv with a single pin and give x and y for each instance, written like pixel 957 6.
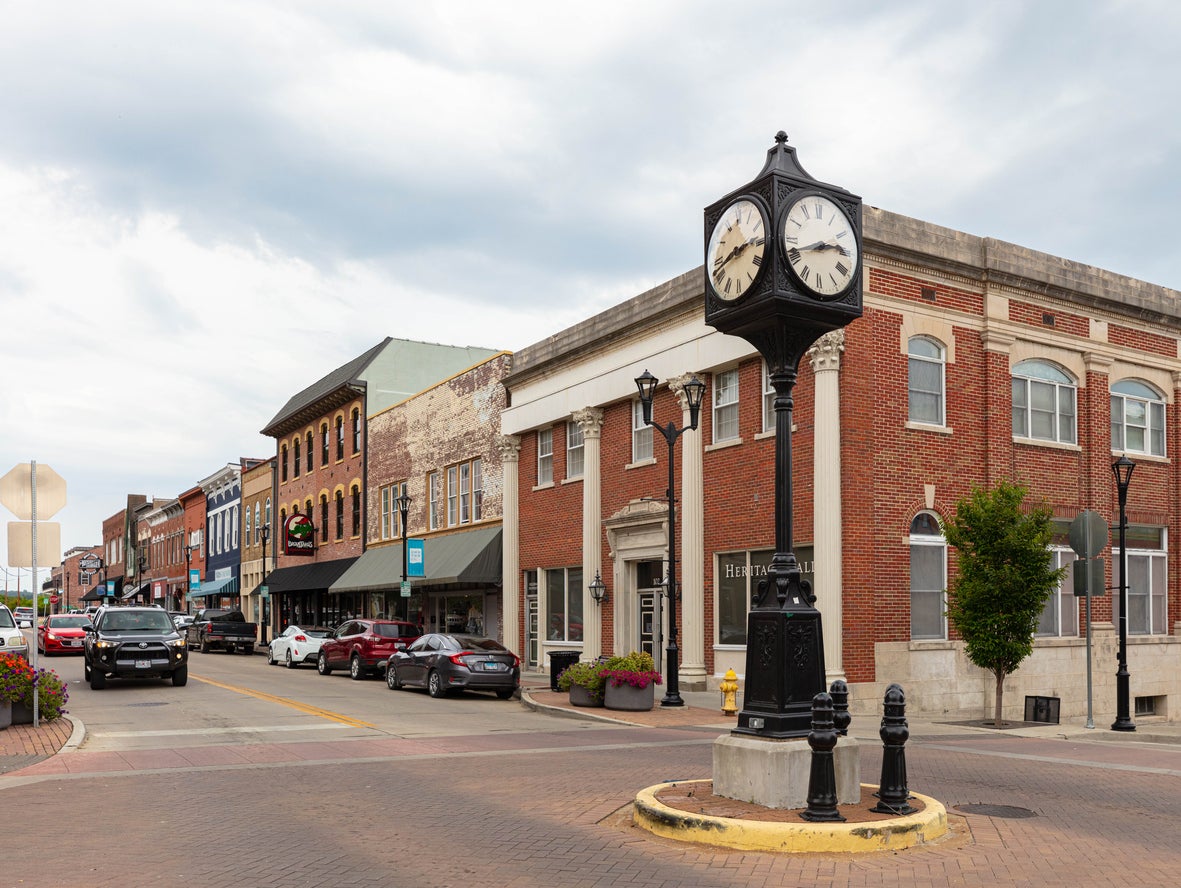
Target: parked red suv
pixel 364 645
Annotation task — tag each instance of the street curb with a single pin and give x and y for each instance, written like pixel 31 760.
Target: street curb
pixel 528 701
pixel 77 735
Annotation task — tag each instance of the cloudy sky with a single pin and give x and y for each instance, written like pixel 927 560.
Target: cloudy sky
pixel 205 206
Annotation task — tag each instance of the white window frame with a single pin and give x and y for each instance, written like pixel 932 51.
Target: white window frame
pixel 571 600
pixel 725 406
pixel 452 496
pixel 923 542
pixel 1062 601
pixel 387 512
pixel 545 457
pixel 1143 403
pixel 916 359
pixel 768 401
pixel 433 485
pixel 1034 381
pixel 465 493
pixel 641 434
pixel 575 452
pixel 477 489
pixel 1148 573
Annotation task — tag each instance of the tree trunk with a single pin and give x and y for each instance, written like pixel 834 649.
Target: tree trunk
pixel 1000 695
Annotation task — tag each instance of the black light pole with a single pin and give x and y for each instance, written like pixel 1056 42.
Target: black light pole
pixel 1122 469
pixel 694 392
pixel 403 504
pixel 188 574
pixel 262 607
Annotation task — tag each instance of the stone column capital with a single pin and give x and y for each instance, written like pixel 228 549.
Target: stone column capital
pixel 509 447
pixel 676 385
pixel 590 420
pixel 825 352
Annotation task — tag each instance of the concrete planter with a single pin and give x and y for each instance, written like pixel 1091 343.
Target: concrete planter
pixel 629 698
pixel 580 696
pixel 5 715
pixel 21 714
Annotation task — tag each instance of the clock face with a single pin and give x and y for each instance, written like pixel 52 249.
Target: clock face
pixel 820 245
pixel 736 249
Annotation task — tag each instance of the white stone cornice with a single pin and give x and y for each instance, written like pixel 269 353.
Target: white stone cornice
pixel 825 352
pixel 1097 363
pixel 996 341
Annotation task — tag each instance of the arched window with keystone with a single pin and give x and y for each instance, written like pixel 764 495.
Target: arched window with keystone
pixel 1045 401
pixel 1137 418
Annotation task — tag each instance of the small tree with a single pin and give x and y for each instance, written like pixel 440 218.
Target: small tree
pixel 1005 577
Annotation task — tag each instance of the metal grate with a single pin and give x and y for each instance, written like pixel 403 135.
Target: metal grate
pixel 1042 709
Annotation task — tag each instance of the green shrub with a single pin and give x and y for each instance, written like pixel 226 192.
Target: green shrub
pixel 586 675
pixel 637 669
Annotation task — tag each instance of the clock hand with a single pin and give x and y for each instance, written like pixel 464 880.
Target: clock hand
pixel 821 246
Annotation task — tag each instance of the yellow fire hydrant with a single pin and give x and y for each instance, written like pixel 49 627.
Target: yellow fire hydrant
pixel 729 689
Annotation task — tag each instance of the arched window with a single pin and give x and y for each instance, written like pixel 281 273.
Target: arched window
pixel 1044 403
pixel 323 517
pixel 283 463
pixel 323 443
pixel 268 522
pixel 1137 418
pixel 340 514
pixel 928 577
pixel 340 437
pixel 257 523
pixel 311 449
pixel 295 456
pixel 249 526
pixel 356 494
pixel 925 380
pixel 307 508
pixel 356 430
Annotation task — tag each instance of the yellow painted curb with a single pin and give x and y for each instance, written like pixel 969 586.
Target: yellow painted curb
pixel 757 835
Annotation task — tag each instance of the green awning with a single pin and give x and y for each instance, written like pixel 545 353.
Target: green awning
pixel 227 586
pixel 470 557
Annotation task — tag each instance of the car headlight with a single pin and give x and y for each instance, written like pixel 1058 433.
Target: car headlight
pixel 18 642
pixel 105 645
pixel 177 643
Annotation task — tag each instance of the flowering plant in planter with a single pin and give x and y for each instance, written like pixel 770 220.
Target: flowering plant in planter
pixel 17 678
pixel 637 669
pixel 586 675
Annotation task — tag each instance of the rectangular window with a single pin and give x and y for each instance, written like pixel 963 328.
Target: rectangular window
pixel 738 579
pixel 725 406
pixel 574 450
pixel 387 512
pixel 324 444
pixel 1059 617
pixel 433 481
pixel 323 518
pixel 768 400
pixel 452 496
pixel 465 493
pixel 545 456
pixel 356 498
pixel 563 604
pixel 1147 579
pixel 296 452
pixel 356 431
pixel 641 434
pixel 339 438
pixel 477 490
pixel 340 515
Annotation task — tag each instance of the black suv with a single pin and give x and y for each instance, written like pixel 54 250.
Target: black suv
pixel 134 642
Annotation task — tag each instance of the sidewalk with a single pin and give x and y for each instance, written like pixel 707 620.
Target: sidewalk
pixel 24 745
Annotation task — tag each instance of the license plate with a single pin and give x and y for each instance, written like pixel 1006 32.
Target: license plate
pixel 74 644
pixel 143 664
pixel 494 667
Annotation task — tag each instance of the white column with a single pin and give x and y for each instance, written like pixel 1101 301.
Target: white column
pixel 590 420
pixel 511 593
pixel 691 566
pixel 826 474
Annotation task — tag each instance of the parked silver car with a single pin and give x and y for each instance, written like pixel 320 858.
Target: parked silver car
pixel 442 663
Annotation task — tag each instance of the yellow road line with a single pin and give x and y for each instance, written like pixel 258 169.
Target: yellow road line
pixel 284 701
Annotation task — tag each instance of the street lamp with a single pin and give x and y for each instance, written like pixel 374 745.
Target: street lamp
pixel 598 590
pixel 694 392
pixel 1122 469
pixel 265 533
pixel 403 505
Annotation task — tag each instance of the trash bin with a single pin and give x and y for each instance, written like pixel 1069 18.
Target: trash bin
pixel 559 661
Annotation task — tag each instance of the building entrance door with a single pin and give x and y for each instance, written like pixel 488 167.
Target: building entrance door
pixel 648 595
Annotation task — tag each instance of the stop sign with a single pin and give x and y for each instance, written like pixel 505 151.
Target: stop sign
pixel 53 599
pixel 16 491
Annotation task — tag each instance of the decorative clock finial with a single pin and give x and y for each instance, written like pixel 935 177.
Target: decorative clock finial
pixel 781 137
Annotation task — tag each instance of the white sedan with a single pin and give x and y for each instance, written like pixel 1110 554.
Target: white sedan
pixel 297 645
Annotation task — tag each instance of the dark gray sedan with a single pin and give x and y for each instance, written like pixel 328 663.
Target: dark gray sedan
pixel 441 663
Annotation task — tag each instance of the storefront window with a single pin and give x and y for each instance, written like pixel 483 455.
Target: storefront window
pixel 738 582
pixel 563 596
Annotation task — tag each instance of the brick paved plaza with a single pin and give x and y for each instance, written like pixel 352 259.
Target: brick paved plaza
pixel 544 809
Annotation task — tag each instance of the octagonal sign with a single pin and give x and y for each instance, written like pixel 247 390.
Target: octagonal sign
pixel 16 491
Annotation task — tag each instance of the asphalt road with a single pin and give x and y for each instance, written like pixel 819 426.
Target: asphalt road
pixel 259 776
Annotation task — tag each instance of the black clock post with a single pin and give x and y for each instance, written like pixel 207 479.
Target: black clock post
pixel 782 268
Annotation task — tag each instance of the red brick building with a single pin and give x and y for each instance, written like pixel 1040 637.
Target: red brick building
pixel 975 361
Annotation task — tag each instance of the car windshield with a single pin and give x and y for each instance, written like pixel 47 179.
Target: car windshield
pixel 476 643
pixel 69 622
pixel 317 632
pixel 137 621
pixel 6 621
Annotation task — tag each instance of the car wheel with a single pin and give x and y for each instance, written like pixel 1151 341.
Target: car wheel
pixel 434 684
pixel 322 665
pixel 504 693
pixel 271 661
pixel 180 677
pixel 98 680
pixel 201 645
pixel 356 673
pixel 85 670
pixel 287 661
pixel 391 678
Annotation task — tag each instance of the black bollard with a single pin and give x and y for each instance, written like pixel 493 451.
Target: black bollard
pixel 893 793
pixel 822 781
pixel 839 691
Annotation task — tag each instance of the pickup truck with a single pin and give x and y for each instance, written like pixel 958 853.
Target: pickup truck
pixel 221 630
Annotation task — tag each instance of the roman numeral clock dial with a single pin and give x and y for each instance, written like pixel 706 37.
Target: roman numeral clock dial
pixel 736 249
pixel 820 245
